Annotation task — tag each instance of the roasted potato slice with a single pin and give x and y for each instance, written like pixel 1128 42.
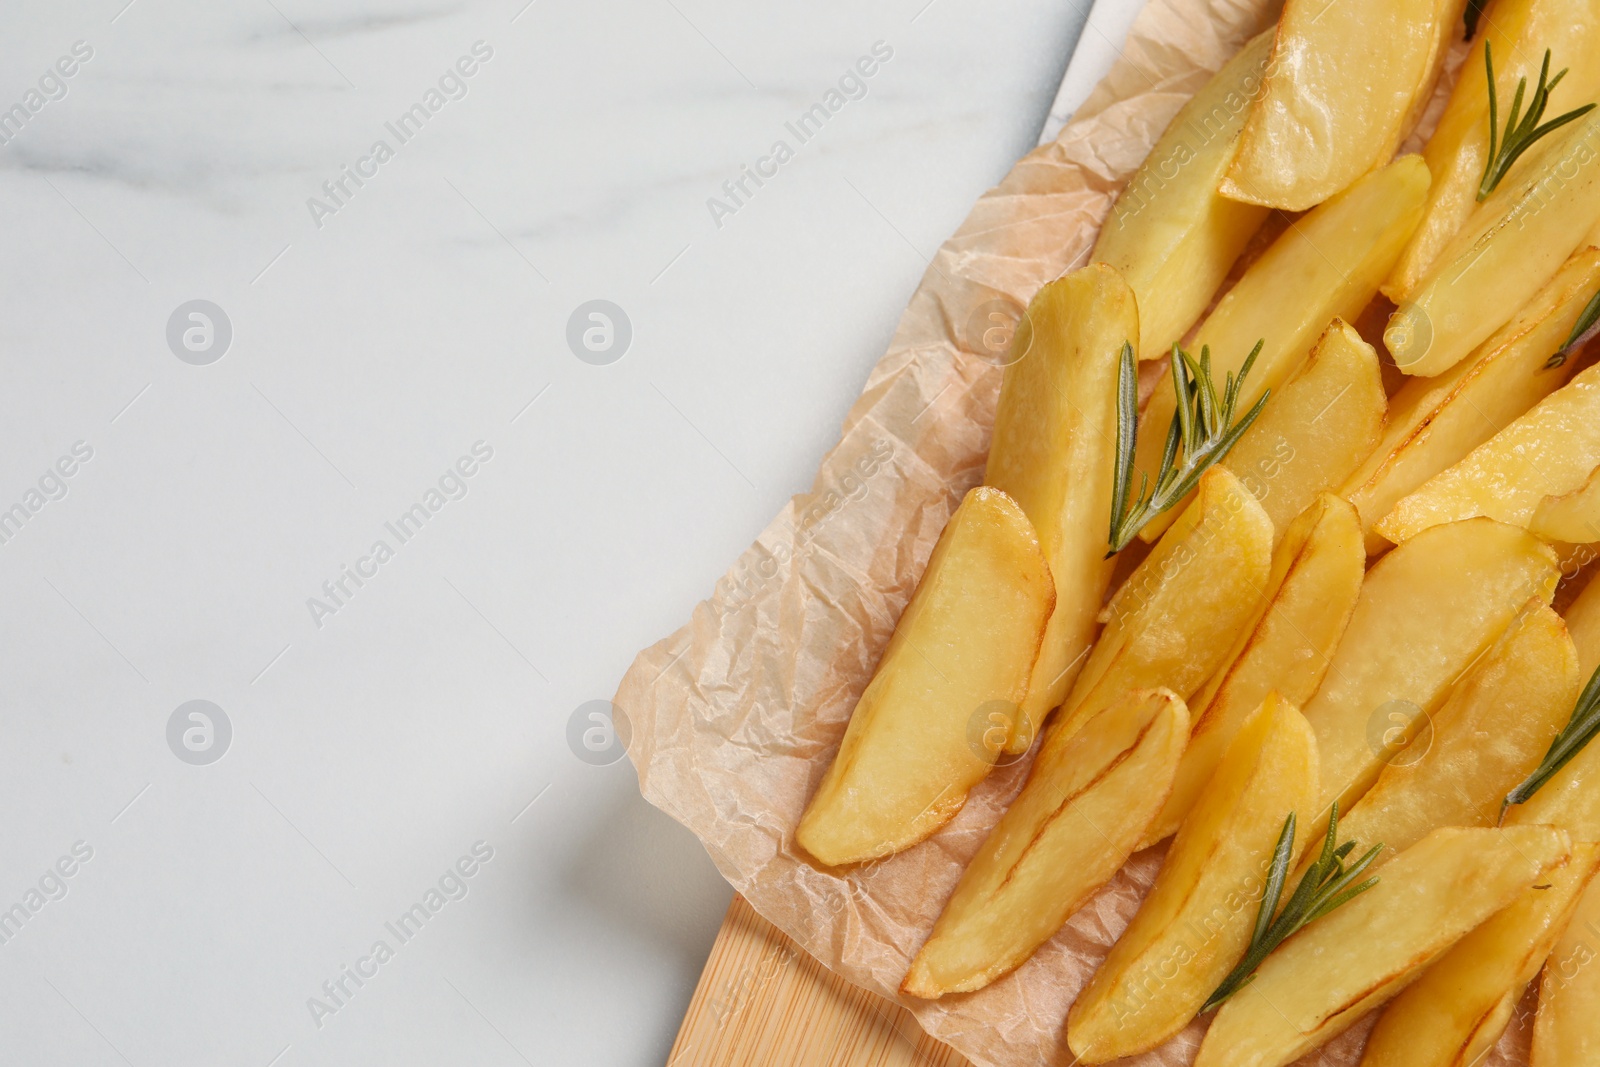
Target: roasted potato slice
pixel 1170 233
pixel 1486 738
pixel 967 639
pixel 1573 518
pixel 1426 611
pixel 1513 244
pixel 1343 86
pixel 1326 265
pixel 1316 431
pixel 1074 824
pixel 1053 452
pixel 1434 422
pixel 1353 960
pixel 1571 799
pixel 1316 576
pixel 1583 623
pixel 1567 1029
pixel 1455 1012
pixel 1458 150
pixel 1550 450
pixel 1176 616
pixel 1197 919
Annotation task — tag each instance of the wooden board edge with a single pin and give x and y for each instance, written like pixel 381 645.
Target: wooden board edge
pixel 762 1001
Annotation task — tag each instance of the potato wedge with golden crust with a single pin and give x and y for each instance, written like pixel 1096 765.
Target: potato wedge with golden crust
pixel 1074 824
pixel 1317 429
pixel 1053 452
pixel 1458 150
pixel 1486 738
pixel 1459 1007
pixel 1426 611
pixel 1174 619
pixel 1513 244
pixel 1571 799
pixel 1343 87
pixel 1316 576
pixel 1583 624
pixel 1572 518
pixel 1326 265
pixel 968 638
pixel 1350 962
pixel 1434 422
pixel 1550 450
pixel 1197 919
pixel 1170 233
pixel 1567 1029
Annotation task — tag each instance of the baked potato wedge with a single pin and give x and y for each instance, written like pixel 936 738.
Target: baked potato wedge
pixel 1519 31
pixel 1316 576
pixel 1455 1012
pixel 1350 962
pixel 1549 451
pixel 1326 265
pixel 1197 919
pixel 1427 610
pixel 1074 824
pixel 1317 429
pixel 967 639
pixel 1052 452
pixel 1487 737
pixel 1510 248
pixel 1571 798
pixel 1345 83
pixel 1567 1027
pixel 1174 619
pixel 1434 422
pixel 1170 233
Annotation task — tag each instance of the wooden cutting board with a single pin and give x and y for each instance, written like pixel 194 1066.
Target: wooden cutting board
pixel 763 1002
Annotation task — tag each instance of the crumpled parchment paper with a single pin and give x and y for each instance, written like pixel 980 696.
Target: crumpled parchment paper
pixel 734 718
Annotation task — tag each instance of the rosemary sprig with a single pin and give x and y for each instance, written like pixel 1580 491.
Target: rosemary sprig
pixel 1326 886
pixel 1202 426
pixel 1587 320
pixel 1578 732
pixel 1521 132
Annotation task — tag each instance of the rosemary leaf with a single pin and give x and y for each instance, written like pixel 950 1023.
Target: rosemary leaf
pixel 1203 430
pixel 1579 731
pixel 1522 130
pixel 1588 319
pixel 1327 885
pixel 1127 434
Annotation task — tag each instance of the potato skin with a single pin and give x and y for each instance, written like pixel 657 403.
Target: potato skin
pixel 966 641
pixel 1354 959
pixel 1200 912
pixel 1512 245
pixel 1171 234
pixel 1306 604
pixel 1327 265
pixel 1434 422
pixel 1073 826
pixel 1052 452
pixel 1426 611
pixel 1345 84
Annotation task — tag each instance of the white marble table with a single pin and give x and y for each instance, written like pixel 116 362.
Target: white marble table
pixel 190 507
